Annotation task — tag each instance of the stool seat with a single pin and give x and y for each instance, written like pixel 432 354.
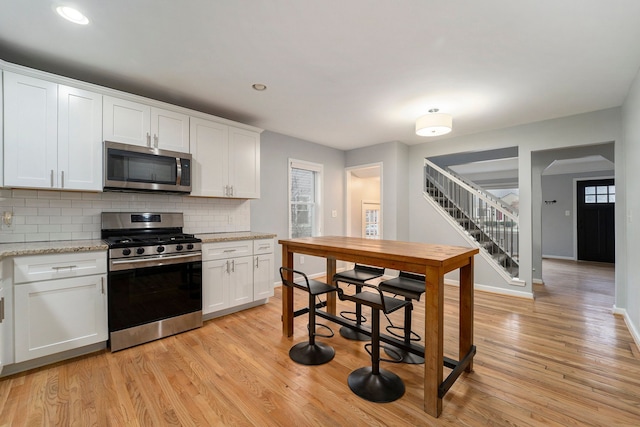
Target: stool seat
pixel 356 276
pixel 411 286
pixel 309 352
pixel 371 382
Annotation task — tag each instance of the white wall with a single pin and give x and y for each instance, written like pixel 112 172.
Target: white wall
pixel 270 213
pixel 585 129
pixel 628 286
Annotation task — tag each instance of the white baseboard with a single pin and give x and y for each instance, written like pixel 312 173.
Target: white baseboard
pixel 494 290
pixel 635 334
pixel 568 258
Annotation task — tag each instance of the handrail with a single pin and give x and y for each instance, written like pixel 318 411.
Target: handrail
pixel 476 191
pixel 480 189
pixel 493 225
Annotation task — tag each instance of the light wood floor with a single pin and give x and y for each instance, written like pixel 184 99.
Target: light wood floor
pixel 561 360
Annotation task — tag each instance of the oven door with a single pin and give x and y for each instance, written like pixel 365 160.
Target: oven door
pixel 141 295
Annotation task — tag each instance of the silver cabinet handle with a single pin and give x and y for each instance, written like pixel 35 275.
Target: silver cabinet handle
pixel 63 267
pixel 51 178
pixel 62 179
pixel 148 139
pixel 226 190
pixel 231 190
pixel 257 263
pixel 102 285
pixel 1 309
pixel 229 250
pixel 233 266
pixel 155 140
pixel 227 266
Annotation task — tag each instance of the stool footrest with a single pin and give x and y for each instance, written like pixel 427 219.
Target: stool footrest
pixel 353 316
pixel 391 351
pixel 412 337
pixel 316 334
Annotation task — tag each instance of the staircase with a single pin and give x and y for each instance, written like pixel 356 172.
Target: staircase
pixel 492 224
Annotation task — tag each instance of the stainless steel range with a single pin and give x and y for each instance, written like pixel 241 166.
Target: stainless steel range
pixel 155 277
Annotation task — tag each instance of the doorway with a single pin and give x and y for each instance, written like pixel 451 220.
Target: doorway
pixel 364 194
pixel 596 220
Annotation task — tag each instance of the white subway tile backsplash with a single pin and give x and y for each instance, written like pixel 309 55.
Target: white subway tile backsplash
pixel 43 215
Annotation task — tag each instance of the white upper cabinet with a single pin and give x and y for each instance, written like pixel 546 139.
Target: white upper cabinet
pixel 209 148
pixel 170 130
pixel 226 160
pixel 244 163
pixel 79 139
pixel 52 135
pixel 31 131
pixel 139 124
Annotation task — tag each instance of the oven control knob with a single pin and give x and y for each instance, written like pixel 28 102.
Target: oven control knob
pixel 190 246
pixel 126 252
pixel 160 249
pixel 179 247
pixel 140 251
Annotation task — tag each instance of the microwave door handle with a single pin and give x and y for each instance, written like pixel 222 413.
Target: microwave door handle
pixel 179 172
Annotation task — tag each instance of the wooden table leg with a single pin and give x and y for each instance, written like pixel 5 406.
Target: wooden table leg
pixel 466 311
pixel 331 296
pixel 433 340
pixel 287 295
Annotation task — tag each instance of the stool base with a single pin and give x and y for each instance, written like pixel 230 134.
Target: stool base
pixel 409 358
pixel 350 334
pixel 311 354
pixel 383 387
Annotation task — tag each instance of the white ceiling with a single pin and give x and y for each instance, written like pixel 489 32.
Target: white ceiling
pixel 344 73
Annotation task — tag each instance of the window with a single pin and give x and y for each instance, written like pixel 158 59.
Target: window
pixel 305 194
pixel 600 194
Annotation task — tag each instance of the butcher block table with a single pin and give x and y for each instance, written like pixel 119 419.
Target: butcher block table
pixel 434 261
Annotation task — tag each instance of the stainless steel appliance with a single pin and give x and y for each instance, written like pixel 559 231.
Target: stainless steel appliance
pixel 155 277
pixel 138 168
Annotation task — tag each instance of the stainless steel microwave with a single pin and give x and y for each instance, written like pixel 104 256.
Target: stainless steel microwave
pixel 138 168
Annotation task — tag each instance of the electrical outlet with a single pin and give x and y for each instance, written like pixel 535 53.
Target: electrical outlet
pixel 230 219
pixel 301 260
pixel 7 220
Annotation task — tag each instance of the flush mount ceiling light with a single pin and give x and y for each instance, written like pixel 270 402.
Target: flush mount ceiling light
pixel 73 15
pixel 259 87
pixel 434 123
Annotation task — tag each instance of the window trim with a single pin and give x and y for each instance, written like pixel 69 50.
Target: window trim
pixel 318 169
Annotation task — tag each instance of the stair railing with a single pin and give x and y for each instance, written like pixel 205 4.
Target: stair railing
pixel 494 220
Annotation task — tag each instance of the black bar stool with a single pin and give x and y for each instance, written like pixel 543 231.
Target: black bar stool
pixel 310 352
pixel 371 382
pixel 411 286
pixel 357 277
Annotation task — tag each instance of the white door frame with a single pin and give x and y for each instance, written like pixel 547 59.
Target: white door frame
pixel 348 174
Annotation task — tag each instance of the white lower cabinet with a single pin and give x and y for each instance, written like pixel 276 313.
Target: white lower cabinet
pixel 234 275
pixel 64 312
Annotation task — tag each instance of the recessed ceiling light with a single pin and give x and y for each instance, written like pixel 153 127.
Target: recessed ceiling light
pixel 259 86
pixel 73 15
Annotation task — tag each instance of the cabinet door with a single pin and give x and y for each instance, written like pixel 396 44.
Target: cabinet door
pixel 215 285
pixel 209 148
pixel 79 139
pixel 263 276
pixel 244 163
pixel 126 122
pixel 30 130
pixel 59 315
pixel 241 280
pixel 169 130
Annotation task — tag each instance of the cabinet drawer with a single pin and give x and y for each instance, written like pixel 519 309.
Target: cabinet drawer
pixel 262 246
pixel 58 266
pixel 222 250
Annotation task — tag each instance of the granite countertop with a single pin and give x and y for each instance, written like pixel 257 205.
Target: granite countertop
pixel 67 246
pixel 228 237
pixel 54 247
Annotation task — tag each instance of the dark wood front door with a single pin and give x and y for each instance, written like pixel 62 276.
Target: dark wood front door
pixel 595 216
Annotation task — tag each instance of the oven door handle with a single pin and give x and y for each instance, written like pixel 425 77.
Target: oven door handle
pixel 128 264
